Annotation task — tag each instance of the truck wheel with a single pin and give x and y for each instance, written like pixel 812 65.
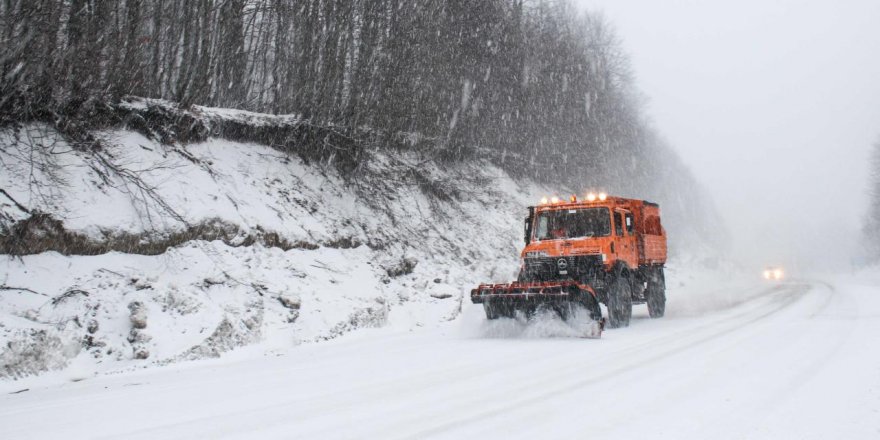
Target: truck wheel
pixel 491 310
pixel 590 303
pixel 506 310
pixel 566 309
pixel 619 302
pixel 496 309
pixel 656 295
pixel 656 302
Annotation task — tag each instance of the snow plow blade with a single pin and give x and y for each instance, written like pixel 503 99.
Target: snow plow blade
pixel 530 292
pixel 504 299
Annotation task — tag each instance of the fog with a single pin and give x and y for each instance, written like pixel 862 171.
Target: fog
pixel 774 106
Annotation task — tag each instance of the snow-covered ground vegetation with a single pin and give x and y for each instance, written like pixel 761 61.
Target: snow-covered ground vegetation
pixel 146 253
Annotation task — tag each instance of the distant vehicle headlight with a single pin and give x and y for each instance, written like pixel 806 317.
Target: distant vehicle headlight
pixel 773 273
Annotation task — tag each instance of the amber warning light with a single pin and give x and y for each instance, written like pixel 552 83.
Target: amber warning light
pixel 590 197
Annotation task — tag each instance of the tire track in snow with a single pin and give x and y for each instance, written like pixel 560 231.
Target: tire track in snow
pixel 828 349
pixel 557 389
pixel 680 336
pixel 440 379
pixel 786 332
pixel 303 408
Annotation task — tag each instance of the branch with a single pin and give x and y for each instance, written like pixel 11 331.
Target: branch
pixel 68 294
pixel 19 205
pixel 149 192
pixel 24 289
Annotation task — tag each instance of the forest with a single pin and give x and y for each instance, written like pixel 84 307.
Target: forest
pixel 871 226
pixel 536 86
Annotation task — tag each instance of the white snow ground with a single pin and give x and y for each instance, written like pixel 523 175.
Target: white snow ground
pixel 793 360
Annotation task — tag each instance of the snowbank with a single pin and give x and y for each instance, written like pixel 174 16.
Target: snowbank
pixel 246 245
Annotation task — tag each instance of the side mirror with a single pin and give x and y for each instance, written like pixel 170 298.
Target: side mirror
pixel 528 225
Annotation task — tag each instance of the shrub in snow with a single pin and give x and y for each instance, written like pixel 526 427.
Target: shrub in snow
pixel 34 351
pixel 225 337
pixel 138 315
pixel 404 267
pixel 290 302
pixel 141 353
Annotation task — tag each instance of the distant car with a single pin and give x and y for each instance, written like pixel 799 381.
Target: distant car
pixel 774 273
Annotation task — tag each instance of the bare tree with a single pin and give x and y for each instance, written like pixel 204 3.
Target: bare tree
pixel 534 85
pixel 871 227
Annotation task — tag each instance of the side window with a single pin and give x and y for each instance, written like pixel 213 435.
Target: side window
pixel 542 232
pixel 629 223
pixel 618 224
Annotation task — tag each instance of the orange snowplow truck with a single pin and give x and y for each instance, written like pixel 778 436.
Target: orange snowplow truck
pixel 604 249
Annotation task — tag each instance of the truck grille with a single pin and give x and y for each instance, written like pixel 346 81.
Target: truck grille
pixel 561 268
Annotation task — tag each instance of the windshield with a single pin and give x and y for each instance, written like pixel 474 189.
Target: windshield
pixel 573 223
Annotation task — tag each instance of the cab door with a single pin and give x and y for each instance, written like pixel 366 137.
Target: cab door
pixel 625 238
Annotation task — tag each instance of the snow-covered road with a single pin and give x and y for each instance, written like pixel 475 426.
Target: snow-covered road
pixel 796 360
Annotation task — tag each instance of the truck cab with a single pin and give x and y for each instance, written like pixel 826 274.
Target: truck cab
pixel 583 253
pixel 596 241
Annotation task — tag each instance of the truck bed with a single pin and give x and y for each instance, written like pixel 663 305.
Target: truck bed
pixel 652 249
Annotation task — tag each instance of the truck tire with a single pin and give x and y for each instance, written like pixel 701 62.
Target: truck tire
pixel 495 310
pixel 619 302
pixel 656 294
pixel 491 310
pixel 592 305
pixel 579 300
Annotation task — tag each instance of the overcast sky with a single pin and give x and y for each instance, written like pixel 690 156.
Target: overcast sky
pixel 773 105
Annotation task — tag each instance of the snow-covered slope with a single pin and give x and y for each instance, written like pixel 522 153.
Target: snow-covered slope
pixel 213 245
